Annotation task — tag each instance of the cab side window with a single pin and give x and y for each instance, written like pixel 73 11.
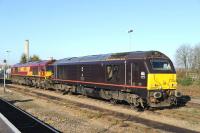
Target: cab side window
pixel 109 72
pixel 112 73
pixel 35 70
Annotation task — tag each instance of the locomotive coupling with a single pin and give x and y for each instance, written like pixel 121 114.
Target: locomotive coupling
pixel 177 94
pixel 157 95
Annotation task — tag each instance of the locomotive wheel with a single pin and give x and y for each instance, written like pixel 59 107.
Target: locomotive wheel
pixel 138 105
pixel 70 92
pixel 174 101
pixel 65 92
pixel 113 101
pixel 135 107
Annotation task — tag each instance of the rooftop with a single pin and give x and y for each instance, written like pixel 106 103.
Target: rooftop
pixel 108 57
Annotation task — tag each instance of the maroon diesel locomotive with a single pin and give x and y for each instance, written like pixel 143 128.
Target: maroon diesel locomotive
pixel 142 79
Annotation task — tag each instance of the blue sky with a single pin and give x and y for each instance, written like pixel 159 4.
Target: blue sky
pixel 65 28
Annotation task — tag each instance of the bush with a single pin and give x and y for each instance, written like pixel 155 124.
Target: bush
pixel 185 81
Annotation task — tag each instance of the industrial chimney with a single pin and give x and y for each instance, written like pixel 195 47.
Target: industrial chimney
pixel 26 49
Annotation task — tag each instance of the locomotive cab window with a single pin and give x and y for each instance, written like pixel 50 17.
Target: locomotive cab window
pixel 109 72
pixel 112 73
pixel 16 70
pixel 162 65
pixel 35 70
pixel 49 68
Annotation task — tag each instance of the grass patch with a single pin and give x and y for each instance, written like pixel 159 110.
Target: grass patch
pixel 185 81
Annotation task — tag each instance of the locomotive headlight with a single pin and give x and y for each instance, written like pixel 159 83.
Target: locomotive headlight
pixel 174 85
pixel 157 94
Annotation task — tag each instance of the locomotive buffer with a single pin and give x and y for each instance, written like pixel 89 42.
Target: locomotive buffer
pixel 15 120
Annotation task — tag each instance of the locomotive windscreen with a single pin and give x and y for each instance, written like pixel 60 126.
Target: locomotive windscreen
pixel 159 64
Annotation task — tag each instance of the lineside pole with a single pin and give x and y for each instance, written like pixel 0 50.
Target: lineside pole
pixel 129 32
pixel 130 42
pixel 4 77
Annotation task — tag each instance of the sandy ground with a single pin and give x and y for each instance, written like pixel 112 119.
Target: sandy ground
pixel 191 90
pixel 184 117
pixel 71 119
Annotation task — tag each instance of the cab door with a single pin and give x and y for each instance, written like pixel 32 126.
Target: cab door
pixel 137 74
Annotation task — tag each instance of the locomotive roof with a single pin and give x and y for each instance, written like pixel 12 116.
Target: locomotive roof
pixel 109 57
pixel 33 63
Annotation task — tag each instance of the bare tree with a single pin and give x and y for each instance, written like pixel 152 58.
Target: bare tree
pixel 196 62
pixel 184 57
pixel 190 57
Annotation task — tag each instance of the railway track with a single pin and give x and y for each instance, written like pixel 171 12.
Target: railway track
pixel 117 114
pixel 22 120
pixel 6 81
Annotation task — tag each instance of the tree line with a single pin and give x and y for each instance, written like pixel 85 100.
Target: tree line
pixel 187 61
pixel 187 57
pixel 32 58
